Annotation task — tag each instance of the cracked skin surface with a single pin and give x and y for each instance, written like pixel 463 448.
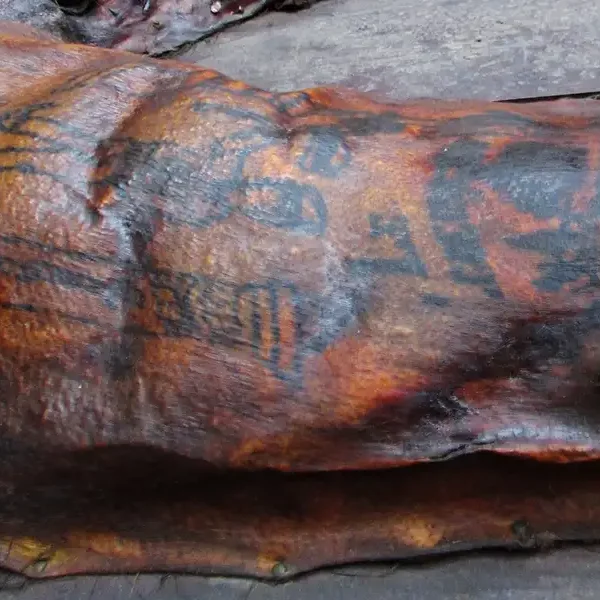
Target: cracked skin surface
pixel 304 281
pixel 200 280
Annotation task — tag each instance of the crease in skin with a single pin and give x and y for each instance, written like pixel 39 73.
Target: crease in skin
pixel 255 333
pixel 238 275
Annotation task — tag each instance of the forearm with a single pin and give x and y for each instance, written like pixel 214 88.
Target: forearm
pixel 308 280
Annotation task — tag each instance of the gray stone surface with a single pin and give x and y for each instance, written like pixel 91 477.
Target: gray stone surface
pixel 418 48
pixel 567 574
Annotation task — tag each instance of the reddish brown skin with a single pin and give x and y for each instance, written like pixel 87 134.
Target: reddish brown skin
pixel 306 281
pixel 311 281
pixel 157 518
pixel 154 27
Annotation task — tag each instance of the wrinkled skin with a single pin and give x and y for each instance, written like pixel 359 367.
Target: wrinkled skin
pixel 312 281
pixel 154 27
pixel 306 281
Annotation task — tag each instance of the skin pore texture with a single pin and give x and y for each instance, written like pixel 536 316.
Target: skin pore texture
pixel 217 304
pixel 302 281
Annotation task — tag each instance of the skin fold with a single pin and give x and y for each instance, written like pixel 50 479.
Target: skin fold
pixel 309 281
pixel 225 312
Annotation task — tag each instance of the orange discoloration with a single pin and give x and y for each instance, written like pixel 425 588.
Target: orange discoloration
pixel 313 281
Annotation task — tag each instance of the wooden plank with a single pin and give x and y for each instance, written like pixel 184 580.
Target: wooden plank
pixel 418 48
pixel 568 573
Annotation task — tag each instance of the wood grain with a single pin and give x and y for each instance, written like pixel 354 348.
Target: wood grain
pixel 417 48
pixel 565 573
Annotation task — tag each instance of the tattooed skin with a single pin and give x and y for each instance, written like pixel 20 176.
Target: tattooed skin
pixel 310 280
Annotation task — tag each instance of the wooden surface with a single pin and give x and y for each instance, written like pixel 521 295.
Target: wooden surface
pixel 417 48
pixel 569 574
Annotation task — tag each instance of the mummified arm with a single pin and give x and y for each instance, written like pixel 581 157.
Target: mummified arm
pixel 312 280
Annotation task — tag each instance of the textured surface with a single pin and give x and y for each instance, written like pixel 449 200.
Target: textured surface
pixel 384 60
pixel 308 281
pixel 147 26
pixel 199 274
pixel 569 573
pixel 405 48
pixel 418 48
pixel 110 512
pixel 566 574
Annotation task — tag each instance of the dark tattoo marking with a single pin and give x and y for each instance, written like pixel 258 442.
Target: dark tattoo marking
pixel 485 123
pixel 276 295
pixel 326 148
pixel 232 315
pixel 175 186
pixel 456 168
pixel 30 308
pixel 186 195
pixel 326 153
pixel 291 103
pixel 40 270
pixel 173 175
pixel 539 178
pixel 279 324
pixel 381 266
pixel 167 179
pixel 571 253
pixel 77 254
pixel 395 227
pixel 435 300
pixel 299 207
